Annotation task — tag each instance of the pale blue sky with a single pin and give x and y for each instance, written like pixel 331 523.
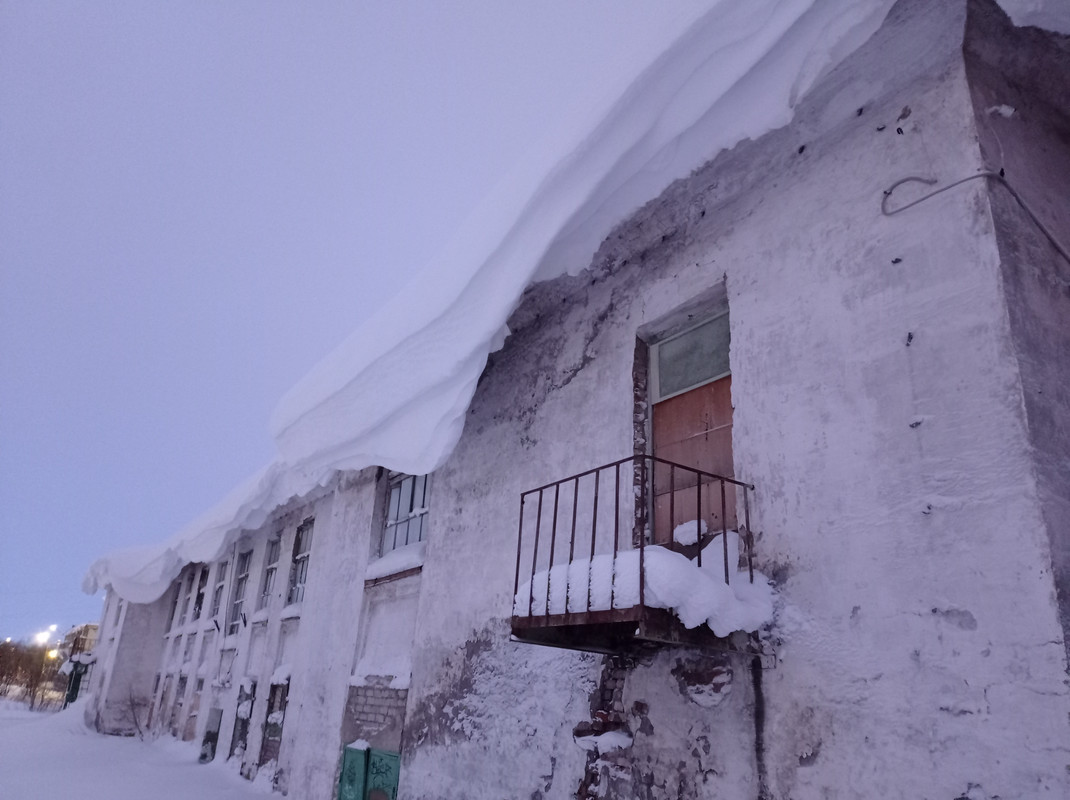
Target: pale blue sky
pixel 199 200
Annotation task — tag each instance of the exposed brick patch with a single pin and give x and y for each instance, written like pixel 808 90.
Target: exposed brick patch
pixel 376 714
pixel 607 714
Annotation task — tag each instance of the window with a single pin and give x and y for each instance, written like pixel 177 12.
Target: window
pixel 174 607
pixel 185 600
pixel 187 653
pixel 217 593
pixel 692 358
pixel 271 565
pixel 206 646
pixel 406 512
pixel 241 577
pixel 202 583
pixel 118 610
pixel 299 565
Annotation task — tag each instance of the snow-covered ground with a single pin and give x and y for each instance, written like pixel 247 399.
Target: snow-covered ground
pixel 56 755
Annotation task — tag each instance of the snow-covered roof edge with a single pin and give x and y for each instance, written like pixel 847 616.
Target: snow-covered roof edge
pixel 395 392
pixel 143 574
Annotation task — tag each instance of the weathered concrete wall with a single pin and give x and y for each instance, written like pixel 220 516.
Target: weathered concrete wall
pixel 878 411
pixel 312 642
pixel 312 744
pixel 1029 70
pixel 128 652
pixel 899 391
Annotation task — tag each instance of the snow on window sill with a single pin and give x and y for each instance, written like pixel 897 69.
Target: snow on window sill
pixel 260 616
pixel 292 611
pixel 281 674
pixel 402 559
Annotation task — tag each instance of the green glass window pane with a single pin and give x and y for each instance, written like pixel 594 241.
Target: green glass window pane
pixel 693 357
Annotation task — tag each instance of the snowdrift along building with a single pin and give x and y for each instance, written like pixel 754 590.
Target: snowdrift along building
pixel 770 498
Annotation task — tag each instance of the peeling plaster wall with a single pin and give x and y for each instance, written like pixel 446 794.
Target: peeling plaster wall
pixel 900 398
pixel 878 410
pixel 1027 70
pixel 315 640
pixel 324 655
pixel 127 654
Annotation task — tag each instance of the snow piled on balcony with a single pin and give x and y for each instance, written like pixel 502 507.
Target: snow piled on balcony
pixel 696 595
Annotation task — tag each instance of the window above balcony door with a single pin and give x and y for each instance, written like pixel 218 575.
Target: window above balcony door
pixel 690 358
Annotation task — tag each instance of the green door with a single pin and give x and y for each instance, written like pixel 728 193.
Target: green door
pixel 369 775
pixel 354 768
pixel 384 769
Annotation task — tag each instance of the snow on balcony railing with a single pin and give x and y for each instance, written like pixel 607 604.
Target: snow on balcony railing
pixel 639 533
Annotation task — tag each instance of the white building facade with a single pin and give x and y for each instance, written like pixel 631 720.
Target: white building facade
pixel 886 388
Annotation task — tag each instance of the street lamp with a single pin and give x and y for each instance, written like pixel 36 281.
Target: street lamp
pixel 41 640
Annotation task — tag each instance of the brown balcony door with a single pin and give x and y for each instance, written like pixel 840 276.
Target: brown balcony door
pixel 693 429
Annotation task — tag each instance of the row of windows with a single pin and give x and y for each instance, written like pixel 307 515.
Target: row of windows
pixel 405 523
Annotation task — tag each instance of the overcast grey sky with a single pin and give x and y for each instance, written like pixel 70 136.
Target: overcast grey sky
pixel 199 200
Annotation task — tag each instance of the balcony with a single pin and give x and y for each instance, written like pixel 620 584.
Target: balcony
pixel 636 551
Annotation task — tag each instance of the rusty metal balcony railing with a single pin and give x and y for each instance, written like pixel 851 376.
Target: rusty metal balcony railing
pixel 582 540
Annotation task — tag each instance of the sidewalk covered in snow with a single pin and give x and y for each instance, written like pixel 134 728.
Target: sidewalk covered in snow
pixel 55 755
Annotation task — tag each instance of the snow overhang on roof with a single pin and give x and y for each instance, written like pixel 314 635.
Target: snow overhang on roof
pixel 395 392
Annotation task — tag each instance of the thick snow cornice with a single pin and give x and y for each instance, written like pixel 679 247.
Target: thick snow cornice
pixel 395 392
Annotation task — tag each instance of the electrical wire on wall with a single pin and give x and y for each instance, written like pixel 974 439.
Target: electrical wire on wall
pixel 996 176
